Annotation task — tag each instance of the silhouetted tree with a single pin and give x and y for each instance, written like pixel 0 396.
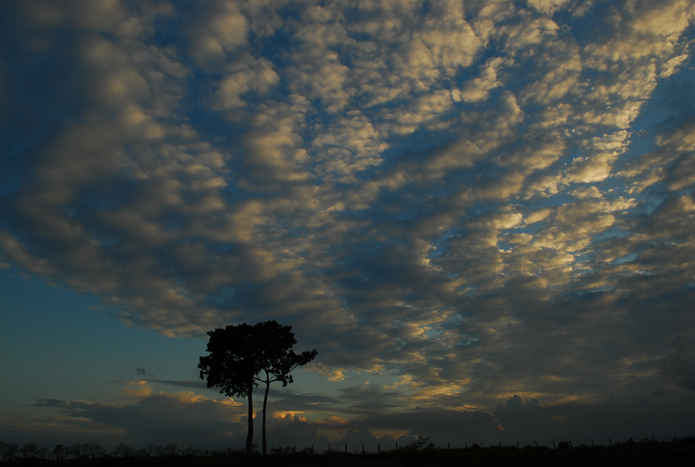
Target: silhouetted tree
pixel 123 450
pixel 171 449
pixel 60 453
pixel 29 450
pixel 8 451
pixel 242 356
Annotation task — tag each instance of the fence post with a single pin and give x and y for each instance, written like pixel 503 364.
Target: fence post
pixel 362 448
pixel 345 448
pixel 378 448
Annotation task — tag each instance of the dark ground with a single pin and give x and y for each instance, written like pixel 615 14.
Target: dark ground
pixel 679 452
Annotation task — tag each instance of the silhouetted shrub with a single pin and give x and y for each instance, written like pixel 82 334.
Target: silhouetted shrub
pixel 8 451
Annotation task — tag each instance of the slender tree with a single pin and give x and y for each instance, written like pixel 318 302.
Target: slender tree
pixel 242 356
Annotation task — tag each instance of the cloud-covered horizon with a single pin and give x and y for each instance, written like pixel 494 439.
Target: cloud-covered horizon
pixel 474 199
pixel 146 416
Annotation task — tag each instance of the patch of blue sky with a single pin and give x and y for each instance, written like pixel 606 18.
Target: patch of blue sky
pixel 614 232
pixel 44 89
pixel 212 126
pixel 274 47
pixel 375 266
pixel 505 246
pixel 439 246
pixel 420 143
pixel 641 142
pixel 625 259
pixel 13 173
pixel 433 332
pixel 592 293
pixel 88 349
pixel 33 125
pixel 106 240
pixel 396 207
pixel 472 71
pixel 224 296
pixel 590 27
pixel 236 192
pixel 671 101
pixel 483 171
pixel 106 193
pixel 650 200
pixel 558 199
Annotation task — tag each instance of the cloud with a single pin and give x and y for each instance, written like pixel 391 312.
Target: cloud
pixel 187 419
pixel 247 74
pixel 183 418
pixel 442 193
pixel 218 30
pixel 478 89
pixel 184 384
pixel 572 421
pixel 332 374
pixel 548 6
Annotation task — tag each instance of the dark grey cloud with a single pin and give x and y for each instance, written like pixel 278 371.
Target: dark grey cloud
pixel 287 400
pixel 163 418
pixel 645 417
pixel 369 399
pixel 188 419
pixel 442 426
pixel 51 403
pixel 182 384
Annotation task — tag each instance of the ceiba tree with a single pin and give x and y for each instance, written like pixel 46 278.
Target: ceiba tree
pixel 242 356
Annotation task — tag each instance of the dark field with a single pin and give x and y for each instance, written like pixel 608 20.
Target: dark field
pixel 679 452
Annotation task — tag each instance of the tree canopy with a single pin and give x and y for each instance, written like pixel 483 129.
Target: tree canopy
pixel 242 356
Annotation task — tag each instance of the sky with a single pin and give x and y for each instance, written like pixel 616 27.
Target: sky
pixel 480 213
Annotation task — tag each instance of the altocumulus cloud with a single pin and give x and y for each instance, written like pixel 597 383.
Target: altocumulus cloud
pixel 481 198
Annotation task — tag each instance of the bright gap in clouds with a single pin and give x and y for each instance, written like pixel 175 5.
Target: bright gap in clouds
pixel 479 213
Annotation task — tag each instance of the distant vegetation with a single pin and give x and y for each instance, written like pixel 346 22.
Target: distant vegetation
pixel 677 452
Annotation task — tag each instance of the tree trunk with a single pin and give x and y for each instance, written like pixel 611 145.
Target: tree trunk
pixel 249 436
pixel 265 403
